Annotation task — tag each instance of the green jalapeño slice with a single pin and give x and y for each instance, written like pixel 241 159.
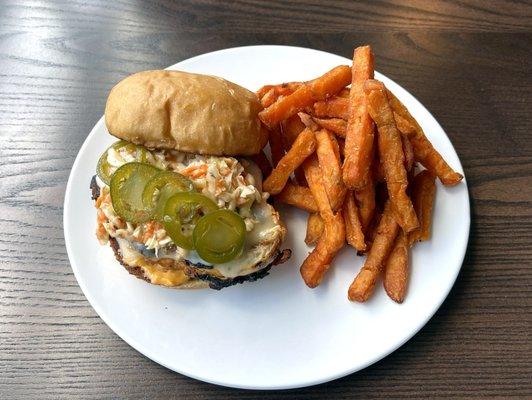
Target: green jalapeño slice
pixel 181 212
pixel 105 170
pixel 219 236
pixel 160 188
pixel 127 185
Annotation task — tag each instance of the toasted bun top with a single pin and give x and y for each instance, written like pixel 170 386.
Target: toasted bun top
pixel 188 112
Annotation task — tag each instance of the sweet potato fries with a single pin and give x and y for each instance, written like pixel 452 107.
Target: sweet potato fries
pixel 374 191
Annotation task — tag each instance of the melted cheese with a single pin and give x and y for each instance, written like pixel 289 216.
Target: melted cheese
pixel 155 273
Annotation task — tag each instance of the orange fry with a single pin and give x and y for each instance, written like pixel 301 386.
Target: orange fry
pixel 314 229
pixel 335 125
pixel 297 196
pixel 303 147
pixel 290 129
pixel 319 89
pixel 329 160
pixel 396 270
pixel 319 260
pixel 424 152
pixel 391 154
pixel 263 163
pixel 333 237
pixel 353 226
pixel 334 107
pixel 359 133
pixel 364 283
pixel 423 192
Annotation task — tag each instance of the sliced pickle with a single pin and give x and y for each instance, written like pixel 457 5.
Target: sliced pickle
pixel 219 236
pixel 127 185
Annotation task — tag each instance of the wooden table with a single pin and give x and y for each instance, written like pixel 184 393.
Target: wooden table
pixel 468 61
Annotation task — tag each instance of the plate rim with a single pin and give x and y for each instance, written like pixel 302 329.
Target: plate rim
pixel 330 377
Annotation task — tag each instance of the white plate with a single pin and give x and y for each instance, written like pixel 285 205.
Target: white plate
pixel 275 333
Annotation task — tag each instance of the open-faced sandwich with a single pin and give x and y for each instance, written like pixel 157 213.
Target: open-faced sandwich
pixel 176 197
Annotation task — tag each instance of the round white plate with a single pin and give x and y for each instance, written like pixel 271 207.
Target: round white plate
pixel 275 333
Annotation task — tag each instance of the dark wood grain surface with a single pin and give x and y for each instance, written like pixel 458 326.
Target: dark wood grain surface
pixel 468 61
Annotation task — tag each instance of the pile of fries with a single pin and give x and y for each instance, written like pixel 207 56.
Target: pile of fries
pixel 349 156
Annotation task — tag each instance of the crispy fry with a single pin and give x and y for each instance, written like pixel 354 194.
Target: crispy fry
pixel 325 86
pixel 263 163
pixel 276 145
pixel 298 196
pixel 353 226
pixel 359 133
pixel 333 237
pixel 335 125
pixel 303 147
pixel 364 283
pixel 314 229
pixel 396 270
pixel 423 192
pixel 329 160
pixel 319 260
pixel 334 107
pixel 424 152
pixel 391 154
pixel 290 129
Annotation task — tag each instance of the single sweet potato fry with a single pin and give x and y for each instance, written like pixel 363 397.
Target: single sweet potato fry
pixel 303 147
pixel 359 132
pixel 353 226
pixel 364 283
pixel 263 163
pixel 335 125
pixel 329 160
pixel 298 196
pixel 330 242
pixel 424 152
pixel 423 192
pixel 314 229
pixel 319 89
pixel 391 154
pixel 396 269
pixel 334 107
pixel 333 237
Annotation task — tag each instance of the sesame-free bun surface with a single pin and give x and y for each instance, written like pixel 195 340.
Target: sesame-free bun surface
pixel 187 112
